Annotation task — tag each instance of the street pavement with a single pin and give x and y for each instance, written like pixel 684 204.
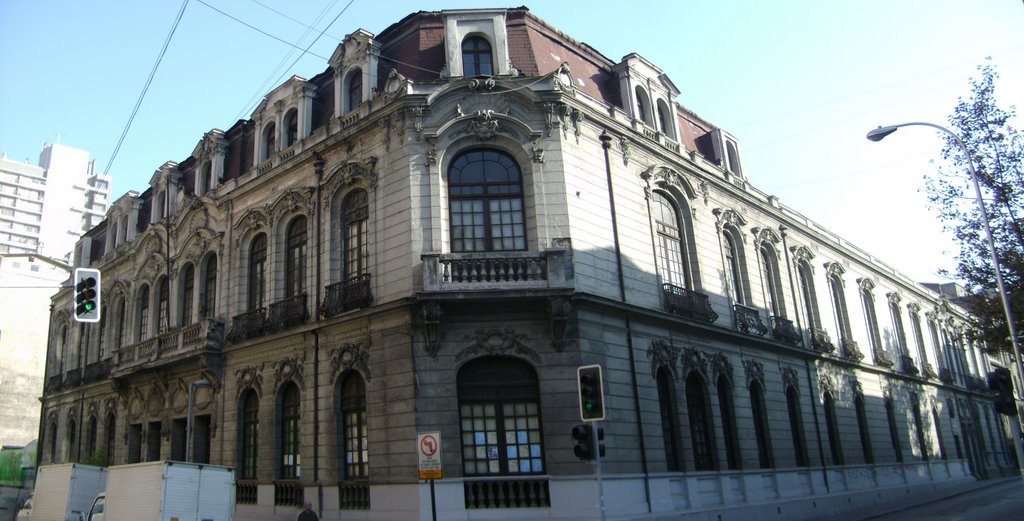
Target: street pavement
pixel 1002 500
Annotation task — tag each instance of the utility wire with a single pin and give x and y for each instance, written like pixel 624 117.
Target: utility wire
pixel 257 29
pixel 285 16
pixel 145 88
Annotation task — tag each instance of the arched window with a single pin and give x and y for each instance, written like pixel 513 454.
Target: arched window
pixel 672 259
pixel 476 57
pixel 726 410
pixel 915 326
pixel 733 156
pixel 643 106
pixel 839 303
pixel 163 305
pixel 832 426
pixel 142 314
pixel 796 427
pixel 915 409
pixel 249 419
pixel 188 276
pixel 269 141
pixel 664 120
pixel 733 266
pixel 772 281
pixel 102 341
pixel 257 271
pixel 121 305
pixel 111 436
pixel 91 435
pixel 938 433
pixel 352 431
pixel 669 424
pixel 291 128
pixel 894 433
pixel 499 411
pixel 53 442
pixel 289 436
pixel 897 324
pixel 803 271
pixel 874 335
pixel 698 409
pixel 486 202
pixel 208 291
pixel 295 258
pixel 356 213
pixel 72 433
pixel 862 427
pixel 761 432
pixel 355 90
pixel 205 179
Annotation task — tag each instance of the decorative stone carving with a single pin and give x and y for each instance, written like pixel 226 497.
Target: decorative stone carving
pixel 536 152
pixel 834 269
pixel 728 217
pixel 790 378
pixel 249 377
pixel 497 341
pixel 663 353
pixel 559 311
pixel 484 125
pixel 665 177
pixel 825 384
pixel 695 360
pixel 754 371
pixel 721 365
pixel 624 144
pixel 351 356
pixel 286 369
pixel 431 312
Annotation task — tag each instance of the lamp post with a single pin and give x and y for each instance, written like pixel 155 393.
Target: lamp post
pixel 880 133
pixel 188 420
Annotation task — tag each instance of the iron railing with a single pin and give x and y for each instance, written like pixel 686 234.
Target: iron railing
pixel 346 295
pixel 688 303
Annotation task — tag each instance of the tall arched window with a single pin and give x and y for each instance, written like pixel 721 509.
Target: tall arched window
pixel 163 305
pixel 698 409
pixel 669 424
pixel 726 411
pixel 72 433
pixel 796 426
pixel 295 258
pixel 832 426
pixel 938 433
pixel 664 120
pixel 733 266
pixel 804 275
pixel 188 276
pixel 208 292
pixel 356 214
pixel 476 57
pixel 91 437
pixel 355 90
pixel 257 271
pixel 291 128
pixel 772 281
pixel 897 324
pixel 862 428
pixel 643 106
pixel 269 141
pixel 204 180
pixel 53 442
pixel 289 435
pixel 874 335
pixel 839 303
pixel 672 260
pixel 894 433
pixel 111 437
pixel 142 314
pixel 499 411
pixel 922 444
pixel 248 453
pixel 121 305
pixel 486 202
pixel 759 412
pixel 352 431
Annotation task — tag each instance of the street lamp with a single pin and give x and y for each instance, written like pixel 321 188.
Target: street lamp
pixel 202 382
pixel 879 134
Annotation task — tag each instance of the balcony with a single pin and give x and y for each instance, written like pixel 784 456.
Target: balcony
pixel 748 320
pixel 783 330
pixel 172 346
pixel 506 493
pixel 346 295
pixel 54 383
pixel 977 383
pixel 97 371
pixel 483 271
pixel 820 340
pixel 287 313
pixel 908 366
pixel 687 303
pixel 882 358
pixel 850 350
pixel 928 371
pixel 248 325
pixel 945 375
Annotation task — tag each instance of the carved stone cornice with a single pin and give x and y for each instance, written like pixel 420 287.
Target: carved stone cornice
pixel 497 341
pixel 663 353
pixel 351 356
pixel 790 377
pixel 694 360
pixel 754 371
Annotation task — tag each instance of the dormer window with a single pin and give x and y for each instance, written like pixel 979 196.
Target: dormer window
pixel 732 156
pixel 291 125
pixel 205 178
pixel 355 90
pixel 476 57
pixel 665 120
pixel 643 106
pixel 269 141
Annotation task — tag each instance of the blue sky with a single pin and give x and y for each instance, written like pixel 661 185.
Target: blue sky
pixel 798 83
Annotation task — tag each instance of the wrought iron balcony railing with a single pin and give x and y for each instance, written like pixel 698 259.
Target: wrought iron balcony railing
pixel 497 270
pixel 248 325
pixel 73 378
pixel 346 295
pixel 172 346
pixel 820 340
pixel 287 313
pixel 783 330
pixel 688 303
pixel 748 320
pixel 97 371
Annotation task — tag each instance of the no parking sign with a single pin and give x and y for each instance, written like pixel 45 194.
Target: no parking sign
pixel 428 446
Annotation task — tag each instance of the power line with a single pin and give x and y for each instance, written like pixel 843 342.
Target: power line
pixel 257 29
pixel 285 16
pixel 145 88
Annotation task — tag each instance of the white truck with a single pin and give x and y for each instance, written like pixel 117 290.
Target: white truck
pixel 64 492
pixel 166 491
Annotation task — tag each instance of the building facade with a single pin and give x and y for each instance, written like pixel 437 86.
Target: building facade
pixel 431 236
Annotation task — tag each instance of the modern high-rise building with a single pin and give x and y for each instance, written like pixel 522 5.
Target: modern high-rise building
pixel 44 209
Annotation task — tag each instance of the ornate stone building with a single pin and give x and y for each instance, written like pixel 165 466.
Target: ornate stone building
pixel 434 233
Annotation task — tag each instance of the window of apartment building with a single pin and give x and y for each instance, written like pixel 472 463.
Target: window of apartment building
pixel 355 89
pixel 759 412
pixel 665 120
pixel 734 273
pixel 257 271
pixel 486 202
pixel 938 434
pixel 867 299
pixel 669 424
pixel 288 434
pixel 499 411
pixel 163 305
pixel 804 275
pixel 188 276
pixel 121 326
pixel 72 441
pixel 291 128
pixel 915 326
pixel 352 428
pixel 135 443
pixel 862 428
pixel 894 433
pixel 356 248
pixel 153 441
pixel 208 291
pixel 52 431
pixel 92 433
pixel 643 106
pixel 897 325
pixel 772 281
pixel 476 57
pixel 832 426
pixel 142 314
pixel 796 426
pixel 835 283
pixel 727 413
pixel 915 411
pixel 671 235
pixel 269 141
pixel 698 409
pixel 295 258
pixel 111 438
pixel 249 437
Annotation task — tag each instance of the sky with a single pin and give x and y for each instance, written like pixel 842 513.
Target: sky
pixel 798 83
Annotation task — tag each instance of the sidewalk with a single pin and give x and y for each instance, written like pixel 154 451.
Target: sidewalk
pixel 883 510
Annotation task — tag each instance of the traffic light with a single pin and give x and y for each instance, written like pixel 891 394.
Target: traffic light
pixel 591 393
pixel 87 295
pixel 1001 383
pixel 583 434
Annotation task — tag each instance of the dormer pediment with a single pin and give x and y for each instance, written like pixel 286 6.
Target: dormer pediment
pixel 485 27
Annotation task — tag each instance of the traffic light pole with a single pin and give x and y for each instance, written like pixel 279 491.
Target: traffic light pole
pixel 596 443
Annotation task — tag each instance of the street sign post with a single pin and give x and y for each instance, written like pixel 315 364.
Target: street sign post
pixel 428 448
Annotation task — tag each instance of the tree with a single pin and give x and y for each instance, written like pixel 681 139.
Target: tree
pixel 997 150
